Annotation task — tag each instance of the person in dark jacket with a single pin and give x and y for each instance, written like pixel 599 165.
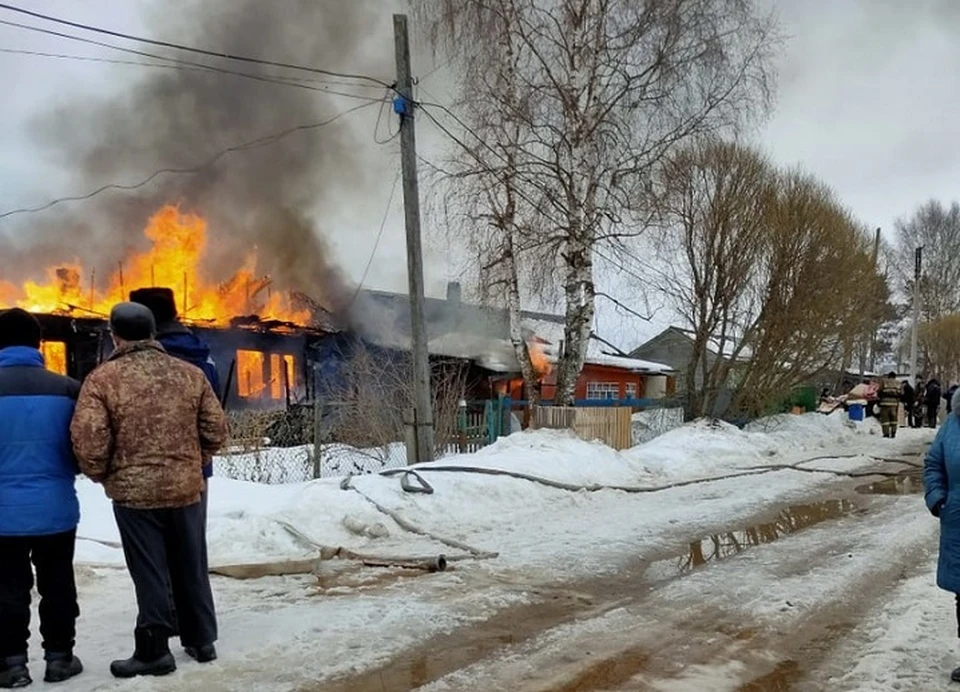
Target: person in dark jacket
pixel 932 403
pixel 941 480
pixel 949 398
pixel 921 396
pixel 181 343
pixel 39 511
pixel 909 397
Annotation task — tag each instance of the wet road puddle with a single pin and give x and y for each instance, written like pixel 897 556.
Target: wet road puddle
pixel 720 546
pixel 907 484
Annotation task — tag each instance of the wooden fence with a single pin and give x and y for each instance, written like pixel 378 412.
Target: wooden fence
pixel 612 425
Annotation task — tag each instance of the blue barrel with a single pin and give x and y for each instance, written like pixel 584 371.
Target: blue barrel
pixel 856 411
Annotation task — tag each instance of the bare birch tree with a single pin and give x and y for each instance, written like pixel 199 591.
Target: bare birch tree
pixel 568 105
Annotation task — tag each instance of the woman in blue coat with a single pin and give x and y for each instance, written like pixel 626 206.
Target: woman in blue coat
pixel 941 480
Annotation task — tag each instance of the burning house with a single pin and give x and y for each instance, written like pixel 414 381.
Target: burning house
pixel 260 339
pixel 478 336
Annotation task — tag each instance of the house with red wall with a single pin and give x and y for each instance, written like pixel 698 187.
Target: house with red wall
pixel 480 334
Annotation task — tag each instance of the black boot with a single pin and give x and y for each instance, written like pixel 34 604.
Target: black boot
pixel 151 657
pixel 62 666
pixel 14 673
pixel 202 654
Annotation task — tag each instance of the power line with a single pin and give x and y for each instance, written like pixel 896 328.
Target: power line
pixel 246 146
pixel 376 128
pixel 376 244
pixel 291 81
pixel 192 49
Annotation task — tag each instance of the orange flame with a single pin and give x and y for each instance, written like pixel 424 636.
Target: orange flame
pixel 174 261
pixel 55 356
pixel 538 356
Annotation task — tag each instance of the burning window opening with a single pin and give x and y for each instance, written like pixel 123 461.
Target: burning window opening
pixel 175 258
pixel 55 356
pixel 279 384
pixel 250 373
pixel 252 380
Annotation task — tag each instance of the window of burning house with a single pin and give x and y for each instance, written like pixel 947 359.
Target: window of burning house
pixel 55 356
pixel 253 379
pixel 278 383
pixel 250 373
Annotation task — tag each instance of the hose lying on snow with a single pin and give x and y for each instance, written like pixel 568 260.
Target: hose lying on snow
pixel 347 484
pixel 575 487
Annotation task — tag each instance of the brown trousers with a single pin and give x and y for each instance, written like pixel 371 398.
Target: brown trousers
pixel 889 419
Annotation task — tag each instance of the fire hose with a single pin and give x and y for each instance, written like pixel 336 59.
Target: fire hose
pixel 424 487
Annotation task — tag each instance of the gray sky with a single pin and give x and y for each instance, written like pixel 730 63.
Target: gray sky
pixel 867 101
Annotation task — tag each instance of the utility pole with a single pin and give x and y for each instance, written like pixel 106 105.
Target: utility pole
pixel 875 335
pixel 868 340
pixel 916 316
pixel 404 106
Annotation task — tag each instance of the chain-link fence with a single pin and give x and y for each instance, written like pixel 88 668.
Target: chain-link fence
pixel 277 447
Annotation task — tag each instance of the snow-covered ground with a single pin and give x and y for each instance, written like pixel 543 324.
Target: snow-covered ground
pixel 293 632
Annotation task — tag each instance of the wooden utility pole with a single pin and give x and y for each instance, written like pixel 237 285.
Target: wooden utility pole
pixel 404 106
pixel 875 336
pixel 916 315
pixel 867 346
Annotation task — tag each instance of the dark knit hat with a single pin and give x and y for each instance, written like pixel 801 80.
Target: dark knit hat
pixel 132 322
pixel 19 328
pixel 160 301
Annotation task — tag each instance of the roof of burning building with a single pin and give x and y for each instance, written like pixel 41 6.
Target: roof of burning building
pixel 479 333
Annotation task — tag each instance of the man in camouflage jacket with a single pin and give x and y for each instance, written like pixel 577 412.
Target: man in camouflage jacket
pixel 143 425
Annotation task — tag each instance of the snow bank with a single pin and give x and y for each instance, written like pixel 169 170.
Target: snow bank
pixel 556 454
pixel 248 522
pixel 707 448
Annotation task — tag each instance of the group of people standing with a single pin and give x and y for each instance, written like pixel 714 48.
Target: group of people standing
pixel 145 425
pixel 924 403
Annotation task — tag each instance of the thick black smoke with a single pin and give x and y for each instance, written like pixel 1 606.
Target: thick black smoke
pixel 267 197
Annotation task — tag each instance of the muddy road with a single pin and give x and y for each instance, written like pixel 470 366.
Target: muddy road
pixel 754 606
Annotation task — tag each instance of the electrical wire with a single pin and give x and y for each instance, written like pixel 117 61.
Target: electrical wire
pixel 246 146
pixel 192 49
pixel 376 244
pixel 292 81
pixel 376 128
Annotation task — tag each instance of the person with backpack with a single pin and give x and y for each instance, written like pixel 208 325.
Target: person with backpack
pixel 39 510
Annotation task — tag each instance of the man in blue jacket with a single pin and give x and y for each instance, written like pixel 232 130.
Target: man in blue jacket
pixel 39 511
pixel 181 343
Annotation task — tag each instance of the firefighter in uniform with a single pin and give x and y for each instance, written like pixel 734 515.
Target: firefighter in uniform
pixel 890 396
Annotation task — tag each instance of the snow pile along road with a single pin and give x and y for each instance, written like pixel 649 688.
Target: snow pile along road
pixel 247 522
